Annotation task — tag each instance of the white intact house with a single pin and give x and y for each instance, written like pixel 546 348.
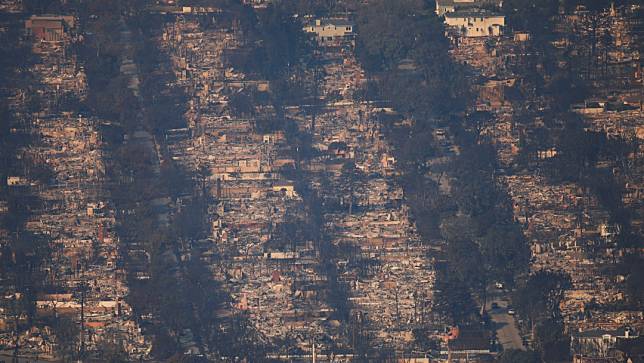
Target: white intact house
pixel 447 6
pixel 328 30
pixel 475 23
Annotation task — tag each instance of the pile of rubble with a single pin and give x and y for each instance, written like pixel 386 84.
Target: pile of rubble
pixel 76 217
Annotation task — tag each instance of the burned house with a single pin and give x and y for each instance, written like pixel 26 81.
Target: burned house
pixel 49 28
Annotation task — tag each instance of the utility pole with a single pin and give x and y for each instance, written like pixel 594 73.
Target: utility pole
pixel 415 306
pixel 397 310
pixel 83 289
pixel 639 70
pixel 422 306
pixel 16 313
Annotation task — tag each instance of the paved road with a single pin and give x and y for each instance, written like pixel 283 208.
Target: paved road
pixel 506 329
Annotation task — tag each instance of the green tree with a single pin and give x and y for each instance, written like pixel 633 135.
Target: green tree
pixel 466 262
pixel 392 31
pixel 551 342
pixel 67 333
pixel 242 104
pixel 531 15
pixel 283 41
pixel 519 356
pixel 538 298
pixel 505 251
pixel 538 301
pixel 389 31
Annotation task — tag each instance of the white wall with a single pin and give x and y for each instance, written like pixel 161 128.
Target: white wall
pixel 477 26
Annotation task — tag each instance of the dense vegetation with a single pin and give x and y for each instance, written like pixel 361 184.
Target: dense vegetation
pixel 582 154
pixel 402 46
pixel 25 255
pixel 482 242
pixel 180 293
